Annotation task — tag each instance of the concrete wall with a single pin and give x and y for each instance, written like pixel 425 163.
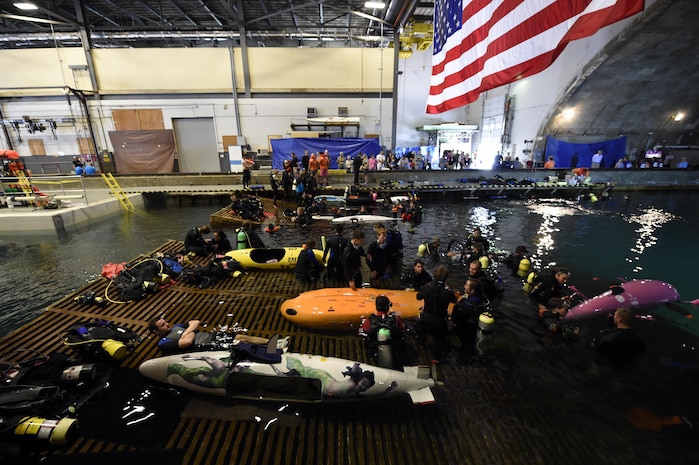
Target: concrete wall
pixel 629 179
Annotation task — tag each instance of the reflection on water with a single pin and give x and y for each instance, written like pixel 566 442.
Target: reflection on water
pixel 551 211
pixel 649 220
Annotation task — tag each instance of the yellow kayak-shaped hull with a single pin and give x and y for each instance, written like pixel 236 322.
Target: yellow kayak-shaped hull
pixel 343 308
pixel 283 258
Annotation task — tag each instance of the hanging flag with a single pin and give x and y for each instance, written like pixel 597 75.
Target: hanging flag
pixel 483 44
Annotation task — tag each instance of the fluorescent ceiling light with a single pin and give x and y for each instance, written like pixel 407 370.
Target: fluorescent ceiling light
pixel 378 5
pixel 25 6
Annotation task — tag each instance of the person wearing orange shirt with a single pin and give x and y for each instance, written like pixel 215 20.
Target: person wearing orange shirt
pixel 324 164
pixel 550 164
pixel 313 163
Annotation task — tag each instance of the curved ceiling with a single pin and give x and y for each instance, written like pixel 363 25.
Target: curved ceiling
pixel 640 86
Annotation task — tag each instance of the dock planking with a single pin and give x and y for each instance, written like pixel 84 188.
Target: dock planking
pixel 481 415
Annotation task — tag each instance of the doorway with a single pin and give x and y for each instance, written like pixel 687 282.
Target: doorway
pixel 196 145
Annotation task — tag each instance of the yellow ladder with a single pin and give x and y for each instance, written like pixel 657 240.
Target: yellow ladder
pixel 24 182
pixel 116 190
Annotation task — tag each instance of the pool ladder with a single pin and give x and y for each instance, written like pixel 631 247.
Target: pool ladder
pixel 116 190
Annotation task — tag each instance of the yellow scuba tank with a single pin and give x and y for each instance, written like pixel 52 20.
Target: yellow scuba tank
pixel 485 262
pixel 57 432
pixel 421 250
pixel 524 266
pixel 117 350
pixel 530 282
pixel 593 198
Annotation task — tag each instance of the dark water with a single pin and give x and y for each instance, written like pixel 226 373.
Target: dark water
pixel 652 235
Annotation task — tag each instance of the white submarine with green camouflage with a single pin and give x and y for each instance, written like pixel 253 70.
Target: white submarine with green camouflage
pixel 259 372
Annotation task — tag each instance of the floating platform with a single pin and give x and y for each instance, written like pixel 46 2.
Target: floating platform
pixel 485 413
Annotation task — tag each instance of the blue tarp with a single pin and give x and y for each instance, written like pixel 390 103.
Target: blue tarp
pixel 562 152
pixel 282 148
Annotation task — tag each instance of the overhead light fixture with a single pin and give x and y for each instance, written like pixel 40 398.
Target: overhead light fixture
pixel 375 5
pixel 25 6
pixel 678 116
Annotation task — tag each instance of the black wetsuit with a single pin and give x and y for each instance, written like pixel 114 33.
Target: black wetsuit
pixel 332 255
pixel 352 262
pixel 433 321
pixel 619 346
pixel 194 242
pixel 465 317
pixel 169 343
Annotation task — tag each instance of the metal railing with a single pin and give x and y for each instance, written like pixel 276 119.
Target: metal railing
pixel 43 190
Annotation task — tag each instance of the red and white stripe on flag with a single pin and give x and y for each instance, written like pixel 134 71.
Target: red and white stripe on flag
pixel 495 42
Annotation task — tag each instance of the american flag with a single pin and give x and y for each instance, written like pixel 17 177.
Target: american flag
pixel 483 44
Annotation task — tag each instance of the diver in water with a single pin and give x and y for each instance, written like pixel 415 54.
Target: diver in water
pixel 620 345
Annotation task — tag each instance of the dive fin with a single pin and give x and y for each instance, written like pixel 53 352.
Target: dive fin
pixel 679 309
pixel 272 344
pixel 422 396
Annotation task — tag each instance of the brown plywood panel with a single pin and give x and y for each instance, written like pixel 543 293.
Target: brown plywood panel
pixel 36 146
pixel 125 120
pixel 309 134
pixel 86 146
pixel 150 119
pixel 229 141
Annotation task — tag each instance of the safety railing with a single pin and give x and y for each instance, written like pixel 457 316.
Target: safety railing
pixel 43 191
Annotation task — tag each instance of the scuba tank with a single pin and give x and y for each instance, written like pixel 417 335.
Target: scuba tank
pixel 78 374
pixel 242 239
pixel 531 282
pixel 486 327
pixel 57 432
pixel 485 261
pixel 383 338
pixel 524 266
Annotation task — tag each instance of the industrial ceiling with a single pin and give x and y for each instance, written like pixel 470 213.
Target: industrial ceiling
pixel 201 23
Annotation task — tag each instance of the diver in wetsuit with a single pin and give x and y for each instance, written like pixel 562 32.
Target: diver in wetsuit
pixel 620 345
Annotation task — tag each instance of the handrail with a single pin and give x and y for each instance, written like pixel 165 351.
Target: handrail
pixel 48 187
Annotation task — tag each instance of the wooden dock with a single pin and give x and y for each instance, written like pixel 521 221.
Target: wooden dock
pixel 482 415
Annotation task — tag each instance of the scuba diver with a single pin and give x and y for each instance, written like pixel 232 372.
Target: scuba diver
pixel 554 284
pixel 429 249
pixel 519 262
pixel 476 237
pixel 554 330
pixel 383 331
pixel 466 315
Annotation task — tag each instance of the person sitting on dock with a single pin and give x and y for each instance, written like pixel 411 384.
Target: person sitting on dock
pixel 220 243
pixel 251 209
pixel 194 241
pixel 235 204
